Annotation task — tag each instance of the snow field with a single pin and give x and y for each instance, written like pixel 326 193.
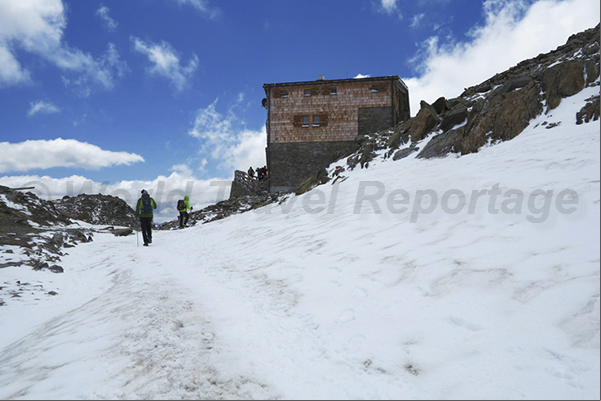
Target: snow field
pixel 326 297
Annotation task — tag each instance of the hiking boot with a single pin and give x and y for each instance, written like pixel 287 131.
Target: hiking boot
pixel 145 244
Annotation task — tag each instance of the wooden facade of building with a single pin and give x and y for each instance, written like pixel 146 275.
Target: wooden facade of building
pixel 311 124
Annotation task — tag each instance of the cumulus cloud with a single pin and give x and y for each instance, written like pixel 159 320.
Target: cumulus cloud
pixel 202 6
pixel 224 139
pixel 42 107
pixel 103 14
pixel 44 154
pixel 389 6
pixel 166 62
pixel 513 31
pixel 36 27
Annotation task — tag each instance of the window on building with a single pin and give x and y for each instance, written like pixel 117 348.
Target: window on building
pixel 375 89
pixel 333 91
pixel 308 121
pixel 307 92
pixel 284 93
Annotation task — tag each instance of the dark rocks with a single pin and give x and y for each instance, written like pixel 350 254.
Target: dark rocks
pixel 56 269
pixel 224 209
pixel 500 108
pixel 496 110
pixel 562 80
pixel 454 117
pixel 511 85
pixel 310 183
pixel 38 228
pixel 589 112
pixel 423 123
pixel 401 154
pixel 500 118
pixel 440 105
pixel 399 137
pixel 97 209
pixel 442 144
pixel 124 232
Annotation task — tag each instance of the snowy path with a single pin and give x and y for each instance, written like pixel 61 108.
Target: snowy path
pixel 141 337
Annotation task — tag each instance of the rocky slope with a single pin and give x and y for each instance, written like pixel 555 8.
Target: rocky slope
pixel 223 209
pixel 35 232
pixel 495 110
pixel 97 209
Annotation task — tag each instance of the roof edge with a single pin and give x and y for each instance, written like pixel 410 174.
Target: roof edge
pixel 336 81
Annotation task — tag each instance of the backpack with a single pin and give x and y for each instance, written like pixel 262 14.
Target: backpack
pixel 146 205
pixel 181 205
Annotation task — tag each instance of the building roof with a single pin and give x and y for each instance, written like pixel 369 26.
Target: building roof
pixel 336 81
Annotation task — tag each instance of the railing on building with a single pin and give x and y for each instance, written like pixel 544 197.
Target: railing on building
pixel 246 181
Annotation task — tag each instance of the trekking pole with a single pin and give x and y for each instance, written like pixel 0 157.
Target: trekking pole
pixel 137 238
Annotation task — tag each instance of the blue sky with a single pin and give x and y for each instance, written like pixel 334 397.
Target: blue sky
pixel 133 93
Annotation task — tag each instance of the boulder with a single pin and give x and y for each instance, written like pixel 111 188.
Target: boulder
pixel 562 80
pixel 589 112
pixel 123 232
pixel 56 269
pixel 454 117
pixel 423 123
pixel 440 105
pixel 401 154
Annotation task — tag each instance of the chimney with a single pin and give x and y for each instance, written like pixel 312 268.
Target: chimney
pixel 320 77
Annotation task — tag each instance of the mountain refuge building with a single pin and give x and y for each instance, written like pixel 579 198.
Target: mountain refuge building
pixel 311 124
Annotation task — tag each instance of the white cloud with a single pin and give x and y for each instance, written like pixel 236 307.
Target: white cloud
pixel 43 154
pixel 202 6
pixel 512 32
pixel 11 71
pixel 36 27
pixel 389 6
pixel 103 14
pixel 166 62
pixel 416 20
pixel 225 140
pixel 43 107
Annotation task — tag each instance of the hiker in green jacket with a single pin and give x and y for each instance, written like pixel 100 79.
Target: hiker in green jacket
pixel 144 210
pixel 183 212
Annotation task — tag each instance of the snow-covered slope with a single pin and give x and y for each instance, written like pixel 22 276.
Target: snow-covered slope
pixel 491 292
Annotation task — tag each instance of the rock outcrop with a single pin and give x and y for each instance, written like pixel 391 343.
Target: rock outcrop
pixel 97 209
pixel 497 109
pixel 223 209
pixel 35 233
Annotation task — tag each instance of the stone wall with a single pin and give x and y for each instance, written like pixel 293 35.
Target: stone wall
pixel 374 119
pixel 293 163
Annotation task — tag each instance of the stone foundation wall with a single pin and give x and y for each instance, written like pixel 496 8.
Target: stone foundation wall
pixel 374 119
pixel 293 163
